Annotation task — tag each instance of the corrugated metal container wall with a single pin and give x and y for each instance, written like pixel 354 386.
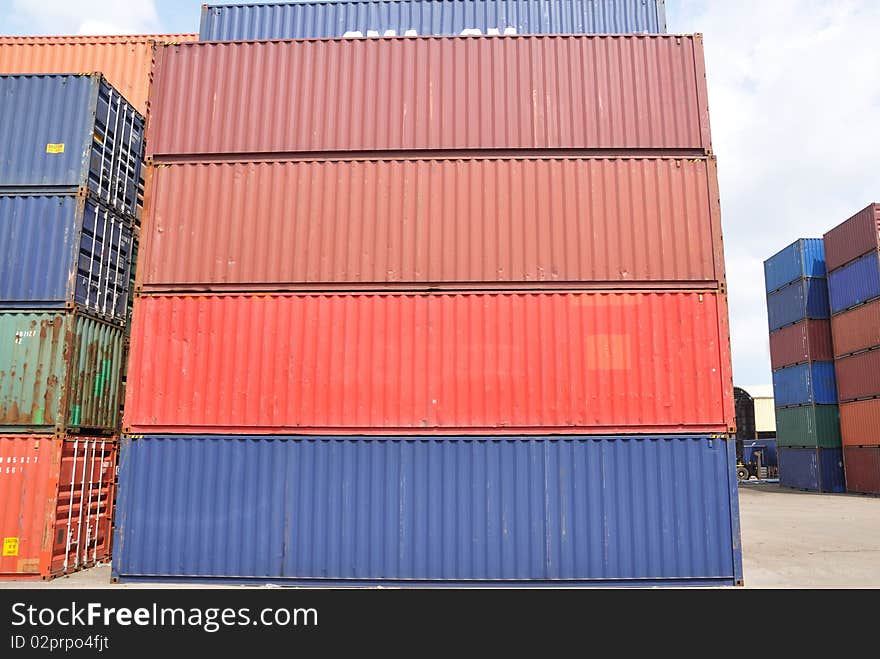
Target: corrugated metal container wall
pixel 804 299
pixel 857 329
pixel 457 363
pixel 862 469
pixel 805 384
pixel 57 250
pixel 56 504
pixel 126 60
pixel 407 221
pixel 859 235
pixel 815 469
pixel 67 132
pixel 617 92
pixel 58 370
pixel 807 341
pixel 855 283
pixel 858 376
pixel 307 20
pixel 808 425
pixel 607 511
pixel 860 423
pixel 803 258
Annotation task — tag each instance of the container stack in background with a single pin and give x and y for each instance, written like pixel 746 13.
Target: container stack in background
pixel 403 315
pixel 807 417
pixel 71 148
pixel 853 258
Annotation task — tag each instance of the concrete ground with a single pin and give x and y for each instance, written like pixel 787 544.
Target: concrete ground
pixel 790 540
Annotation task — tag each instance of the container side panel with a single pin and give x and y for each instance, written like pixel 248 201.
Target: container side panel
pixel 95 375
pixel 571 92
pixel 803 258
pixel 857 329
pixel 808 425
pixel 809 340
pixel 804 299
pixel 307 20
pixel 818 470
pixel 853 238
pixel 631 362
pixel 858 376
pixel 419 509
pixel 855 283
pixel 860 423
pixel 805 384
pixel 862 469
pixel 417 221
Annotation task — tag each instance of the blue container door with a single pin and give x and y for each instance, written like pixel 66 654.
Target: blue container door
pixel 805 384
pixel 818 470
pixel 309 20
pixel 429 510
pixel 855 283
pixel 803 258
pixel 805 298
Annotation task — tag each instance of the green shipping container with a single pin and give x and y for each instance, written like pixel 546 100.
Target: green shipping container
pixel 808 426
pixel 59 371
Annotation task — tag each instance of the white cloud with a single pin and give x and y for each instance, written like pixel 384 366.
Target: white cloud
pixel 87 16
pixel 795 111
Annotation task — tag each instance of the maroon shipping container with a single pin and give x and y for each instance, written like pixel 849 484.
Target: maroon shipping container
pixel 425 93
pixel 853 238
pixel 857 329
pixel 860 423
pixel 862 469
pixel 858 376
pixel 503 363
pixel 462 223
pixel 807 341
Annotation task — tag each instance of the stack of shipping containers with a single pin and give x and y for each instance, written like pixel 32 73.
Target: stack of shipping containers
pixel 71 149
pixel 853 258
pixel 807 419
pixel 428 309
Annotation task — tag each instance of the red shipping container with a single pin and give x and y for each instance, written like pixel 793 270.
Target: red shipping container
pixel 56 503
pixel 504 363
pixel 424 93
pixel 853 238
pixel 857 329
pixel 860 423
pixel 862 469
pixel 807 341
pixel 858 376
pixel 126 60
pixel 480 222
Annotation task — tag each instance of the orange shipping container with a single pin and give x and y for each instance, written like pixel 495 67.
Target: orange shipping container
pixel 860 422
pixel 478 222
pixel 56 504
pixel 125 60
pixel 549 363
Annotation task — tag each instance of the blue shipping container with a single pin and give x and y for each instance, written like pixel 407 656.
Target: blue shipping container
pixel 805 384
pixel 61 250
pixel 803 258
pixel 312 20
pixel 855 284
pixel 815 469
pixel 805 298
pixel 767 448
pixel 428 510
pixel 64 132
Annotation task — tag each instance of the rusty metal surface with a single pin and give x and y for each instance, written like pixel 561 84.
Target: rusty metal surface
pixel 126 60
pixel 282 225
pixel 468 363
pixel 518 92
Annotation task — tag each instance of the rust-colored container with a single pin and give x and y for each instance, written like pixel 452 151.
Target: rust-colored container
pixel 125 60
pixel 806 341
pixel 857 329
pixel 480 222
pixel 426 93
pixel 862 469
pixel 860 423
pixel 473 363
pixel 858 376
pixel 56 504
pixel 851 239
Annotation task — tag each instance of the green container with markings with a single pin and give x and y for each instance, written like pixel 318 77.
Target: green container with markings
pixel 808 426
pixel 59 371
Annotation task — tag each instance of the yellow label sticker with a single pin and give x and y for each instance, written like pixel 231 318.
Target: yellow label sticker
pixel 54 148
pixel 10 546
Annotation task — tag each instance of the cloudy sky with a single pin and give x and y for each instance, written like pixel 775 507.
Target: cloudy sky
pixel 795 108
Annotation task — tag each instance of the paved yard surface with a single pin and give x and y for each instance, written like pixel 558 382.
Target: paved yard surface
pixel 790 540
